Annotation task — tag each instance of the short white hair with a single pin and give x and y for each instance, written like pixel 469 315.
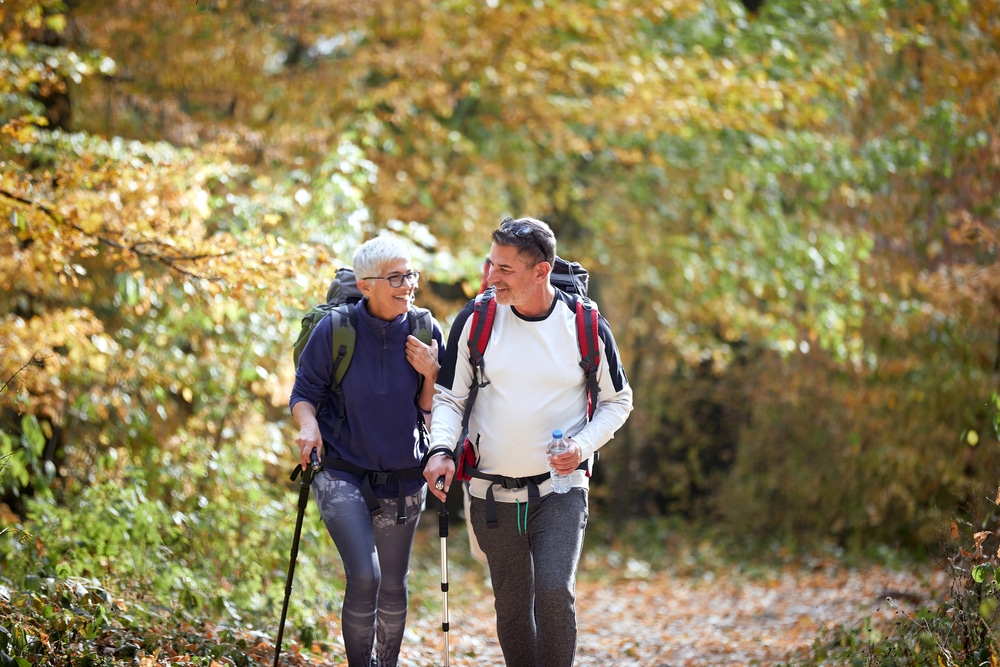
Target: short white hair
pixel 371 257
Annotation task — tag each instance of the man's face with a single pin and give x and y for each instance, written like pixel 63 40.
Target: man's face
pixel 516 281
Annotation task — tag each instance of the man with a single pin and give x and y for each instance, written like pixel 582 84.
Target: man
pixel 533 384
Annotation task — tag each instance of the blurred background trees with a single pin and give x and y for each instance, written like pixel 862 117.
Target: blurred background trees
pixel 790 216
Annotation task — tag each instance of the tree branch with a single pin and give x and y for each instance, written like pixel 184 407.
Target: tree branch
pixel 6 383
pixel 154 254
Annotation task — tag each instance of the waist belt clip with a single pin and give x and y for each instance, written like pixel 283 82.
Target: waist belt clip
pixel 513 483
pixel 381 478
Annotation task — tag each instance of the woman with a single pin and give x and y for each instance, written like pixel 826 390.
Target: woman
pixel 370 491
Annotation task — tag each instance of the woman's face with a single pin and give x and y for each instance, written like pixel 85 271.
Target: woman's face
pixel 386 302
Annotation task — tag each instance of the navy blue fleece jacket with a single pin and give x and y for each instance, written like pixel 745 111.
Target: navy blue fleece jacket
pixel 380 389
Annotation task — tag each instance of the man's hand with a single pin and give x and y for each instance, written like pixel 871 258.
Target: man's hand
pixel 439 465
pixel 569 460
pixel 423 358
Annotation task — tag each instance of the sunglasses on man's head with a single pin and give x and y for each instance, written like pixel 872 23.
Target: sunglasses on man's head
pixel 523 230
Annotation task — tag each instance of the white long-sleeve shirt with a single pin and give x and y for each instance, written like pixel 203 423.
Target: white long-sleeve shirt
pixel 536 385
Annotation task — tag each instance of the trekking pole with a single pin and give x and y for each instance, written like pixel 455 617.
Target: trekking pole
pixel 304 484
pixel 443 532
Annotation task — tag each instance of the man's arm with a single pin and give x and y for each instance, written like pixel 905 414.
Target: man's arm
pixel 454 380
pixel 614 401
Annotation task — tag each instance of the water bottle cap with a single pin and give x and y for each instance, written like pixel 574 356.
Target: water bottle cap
pixel 556 434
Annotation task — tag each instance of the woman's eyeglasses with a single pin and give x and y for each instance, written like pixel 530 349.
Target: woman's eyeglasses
pixel 397 279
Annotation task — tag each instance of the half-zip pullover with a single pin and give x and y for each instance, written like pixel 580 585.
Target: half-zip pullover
pixel 380 389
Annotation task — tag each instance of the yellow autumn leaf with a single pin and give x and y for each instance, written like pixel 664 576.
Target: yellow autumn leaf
pixel 91 223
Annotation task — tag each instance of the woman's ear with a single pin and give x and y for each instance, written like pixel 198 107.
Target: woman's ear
pixel 364 286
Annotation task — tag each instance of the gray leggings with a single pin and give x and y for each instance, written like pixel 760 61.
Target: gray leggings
pixel 534 575
pixel 376 556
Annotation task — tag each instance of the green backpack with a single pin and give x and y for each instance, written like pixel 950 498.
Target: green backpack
pixel 341 298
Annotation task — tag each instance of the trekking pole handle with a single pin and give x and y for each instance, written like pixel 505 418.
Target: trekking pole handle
pixel 442 512
pixel 314 467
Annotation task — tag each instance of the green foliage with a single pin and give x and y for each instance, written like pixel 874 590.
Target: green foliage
pixel 214 546
pixel 960 629
pixel 851 457
pixel 77 622
pixel 22 461
pixel 733 181
pixel 789 218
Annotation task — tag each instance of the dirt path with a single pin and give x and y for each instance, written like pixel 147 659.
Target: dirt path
pixel 631 615
pixel 662 620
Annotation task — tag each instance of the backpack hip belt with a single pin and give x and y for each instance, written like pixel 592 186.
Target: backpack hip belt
pixel 373 477
pixel 509 483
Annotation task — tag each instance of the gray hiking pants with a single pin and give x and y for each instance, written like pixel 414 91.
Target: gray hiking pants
pixel 534 575
pixel 376 556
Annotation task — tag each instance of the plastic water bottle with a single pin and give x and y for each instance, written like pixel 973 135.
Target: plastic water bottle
pixel 558 445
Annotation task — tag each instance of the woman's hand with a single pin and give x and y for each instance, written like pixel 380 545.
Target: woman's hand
pixel 309 437
pixel 308 440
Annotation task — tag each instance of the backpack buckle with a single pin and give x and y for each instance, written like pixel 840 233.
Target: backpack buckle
pixel 513 483
pixel 381 477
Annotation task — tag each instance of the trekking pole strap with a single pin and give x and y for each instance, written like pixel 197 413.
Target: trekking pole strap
pixel 440 449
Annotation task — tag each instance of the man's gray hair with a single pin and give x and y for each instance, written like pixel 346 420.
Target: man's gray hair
pixel 532 237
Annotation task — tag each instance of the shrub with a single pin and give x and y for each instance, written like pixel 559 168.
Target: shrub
pixel 960 630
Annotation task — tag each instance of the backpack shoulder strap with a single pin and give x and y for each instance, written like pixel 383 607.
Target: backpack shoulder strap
pixel 590 356
pixel 421 324
pixel 483 311
pixel 344 323
pixel 343 337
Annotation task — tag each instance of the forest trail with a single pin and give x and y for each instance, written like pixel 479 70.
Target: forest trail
pixel 631 617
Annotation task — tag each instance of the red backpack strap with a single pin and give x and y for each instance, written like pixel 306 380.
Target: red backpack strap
pixel 483 312
pixel 590 356
pixel 483 284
